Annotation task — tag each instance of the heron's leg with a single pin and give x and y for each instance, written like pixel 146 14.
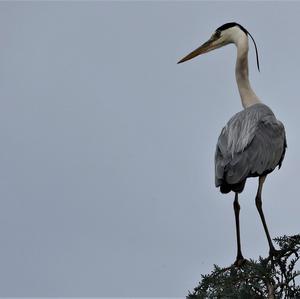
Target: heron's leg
pixel 261 213
pixel 236 206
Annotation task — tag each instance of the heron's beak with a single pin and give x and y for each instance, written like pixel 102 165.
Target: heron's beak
pixel 211 44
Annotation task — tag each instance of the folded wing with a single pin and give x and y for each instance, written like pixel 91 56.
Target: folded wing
pixel 251 144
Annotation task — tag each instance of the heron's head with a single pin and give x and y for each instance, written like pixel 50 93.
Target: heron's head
pixel 222 36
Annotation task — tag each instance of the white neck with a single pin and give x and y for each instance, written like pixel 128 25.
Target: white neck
pixel 247 95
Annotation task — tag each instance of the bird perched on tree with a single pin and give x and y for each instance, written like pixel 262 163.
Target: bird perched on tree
pixel 253 142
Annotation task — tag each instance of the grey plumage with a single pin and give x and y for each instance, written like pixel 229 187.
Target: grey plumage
pixel 252 144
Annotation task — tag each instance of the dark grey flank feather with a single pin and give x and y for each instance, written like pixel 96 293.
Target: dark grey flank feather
pixel 252 143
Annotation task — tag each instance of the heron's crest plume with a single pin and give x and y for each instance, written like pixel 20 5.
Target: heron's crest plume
pixel 233 24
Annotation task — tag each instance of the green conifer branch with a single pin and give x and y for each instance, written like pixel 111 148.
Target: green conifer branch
pixel 271 277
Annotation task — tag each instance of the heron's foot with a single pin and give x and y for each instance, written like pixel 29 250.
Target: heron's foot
pixel 240 261
pixel 274 253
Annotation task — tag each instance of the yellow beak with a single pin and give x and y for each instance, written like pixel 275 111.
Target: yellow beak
pixel 206 47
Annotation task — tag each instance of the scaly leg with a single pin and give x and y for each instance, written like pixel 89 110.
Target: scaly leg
pixel 239 257
pixel 261 213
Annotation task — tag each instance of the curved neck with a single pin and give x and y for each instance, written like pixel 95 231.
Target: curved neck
pixel 247 95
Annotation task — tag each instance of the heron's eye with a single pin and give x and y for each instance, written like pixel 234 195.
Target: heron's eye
pixel 217 33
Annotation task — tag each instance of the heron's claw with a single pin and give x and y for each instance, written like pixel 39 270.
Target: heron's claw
pixel 239 262
pixel 274 253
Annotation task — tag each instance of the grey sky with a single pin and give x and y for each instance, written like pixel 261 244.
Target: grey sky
pixel 107 145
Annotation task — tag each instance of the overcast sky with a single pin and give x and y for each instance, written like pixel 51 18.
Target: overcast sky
pixel 107 145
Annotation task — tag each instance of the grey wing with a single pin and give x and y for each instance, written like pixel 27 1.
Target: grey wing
pixel 255 149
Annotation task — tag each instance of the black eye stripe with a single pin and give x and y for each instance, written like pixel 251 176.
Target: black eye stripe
pixel 232 24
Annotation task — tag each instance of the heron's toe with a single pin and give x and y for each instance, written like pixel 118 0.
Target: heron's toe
pixel 274 253
pixel 239 262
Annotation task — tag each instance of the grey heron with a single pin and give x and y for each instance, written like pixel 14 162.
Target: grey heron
pixel 253 142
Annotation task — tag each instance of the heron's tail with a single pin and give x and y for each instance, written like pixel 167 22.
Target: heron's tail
pixel 226 188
